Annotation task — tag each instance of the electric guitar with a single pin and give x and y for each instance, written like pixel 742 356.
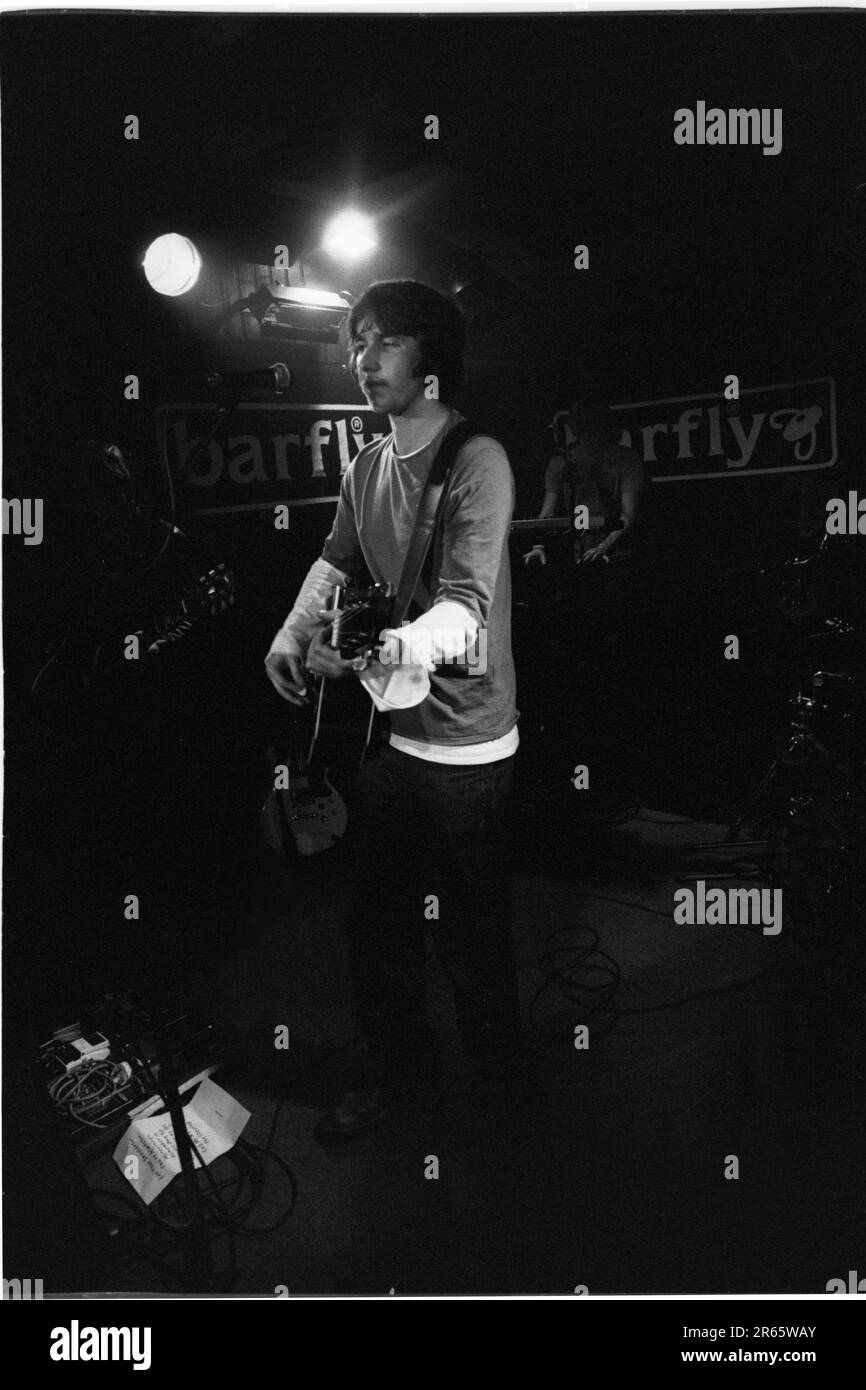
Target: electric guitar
pixel 304 807
pixel 158 617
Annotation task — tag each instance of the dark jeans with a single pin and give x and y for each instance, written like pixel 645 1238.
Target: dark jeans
pixel 430 855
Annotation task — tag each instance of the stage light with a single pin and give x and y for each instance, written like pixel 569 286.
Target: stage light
pixel 172 264
pixel 350 236
pixel 299 312
pixel 310 299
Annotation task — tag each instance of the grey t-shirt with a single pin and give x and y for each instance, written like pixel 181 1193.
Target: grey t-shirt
pixel 375 518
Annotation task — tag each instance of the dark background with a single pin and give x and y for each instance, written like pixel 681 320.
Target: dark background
pixel 553 132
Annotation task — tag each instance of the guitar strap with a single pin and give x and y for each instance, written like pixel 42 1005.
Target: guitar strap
pixel 428 521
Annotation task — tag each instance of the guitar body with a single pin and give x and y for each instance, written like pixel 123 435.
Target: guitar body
pixel 303 811
pixel 315 820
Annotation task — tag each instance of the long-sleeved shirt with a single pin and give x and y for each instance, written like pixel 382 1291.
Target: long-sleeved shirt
pixel 470 587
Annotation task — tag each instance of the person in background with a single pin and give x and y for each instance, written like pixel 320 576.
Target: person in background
pixel 589 467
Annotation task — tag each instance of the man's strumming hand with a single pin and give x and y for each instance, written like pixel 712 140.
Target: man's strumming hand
pixel 286 674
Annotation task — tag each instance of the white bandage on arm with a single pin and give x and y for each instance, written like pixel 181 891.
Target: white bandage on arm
pixel 445 633
pixel 401 678
pixel 294 636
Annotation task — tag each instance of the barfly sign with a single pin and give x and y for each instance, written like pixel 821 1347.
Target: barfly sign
pixel 769 429
pixel 269 454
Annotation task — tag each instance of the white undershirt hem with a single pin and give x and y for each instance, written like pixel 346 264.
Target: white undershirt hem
pixel 459 753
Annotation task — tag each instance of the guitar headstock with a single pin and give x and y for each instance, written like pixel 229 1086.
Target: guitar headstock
pixel 215 591
pixel 212 594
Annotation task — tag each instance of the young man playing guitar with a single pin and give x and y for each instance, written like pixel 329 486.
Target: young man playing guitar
pixel 429 812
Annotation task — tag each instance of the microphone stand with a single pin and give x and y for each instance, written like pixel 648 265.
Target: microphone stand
pixel 198 1267
pixel 226 408
pixel 148 1047
pixel 258 304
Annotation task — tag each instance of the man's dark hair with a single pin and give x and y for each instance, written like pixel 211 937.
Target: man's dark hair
pixel 408 308
pixel 594 419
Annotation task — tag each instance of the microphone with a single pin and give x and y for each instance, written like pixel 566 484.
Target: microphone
pixel 276 378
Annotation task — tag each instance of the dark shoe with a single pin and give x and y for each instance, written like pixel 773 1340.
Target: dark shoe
pixel 355 1113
